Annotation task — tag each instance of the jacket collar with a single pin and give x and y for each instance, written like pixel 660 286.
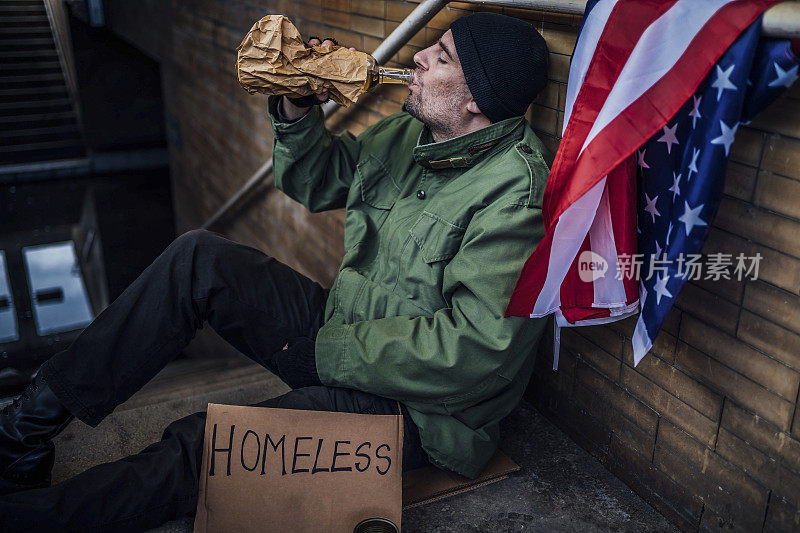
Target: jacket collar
pixel 465 150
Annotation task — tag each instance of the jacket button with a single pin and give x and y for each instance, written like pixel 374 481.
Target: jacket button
pixel 527 149
pixel 421 194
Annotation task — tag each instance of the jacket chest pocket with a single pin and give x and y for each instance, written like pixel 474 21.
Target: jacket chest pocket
pixel 435 242
pixel 375 184
pixel 436 238
pixel 371 199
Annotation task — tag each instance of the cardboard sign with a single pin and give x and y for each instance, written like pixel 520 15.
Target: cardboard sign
pixel 286 470
pixel 429 484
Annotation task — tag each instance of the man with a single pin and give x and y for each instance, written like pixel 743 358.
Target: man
pixel 442 209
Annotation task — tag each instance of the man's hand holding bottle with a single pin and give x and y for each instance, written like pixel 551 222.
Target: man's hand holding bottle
pixel 294 108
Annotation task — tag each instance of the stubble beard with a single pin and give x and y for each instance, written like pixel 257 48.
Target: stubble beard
pixel 440 116
pixel 414 107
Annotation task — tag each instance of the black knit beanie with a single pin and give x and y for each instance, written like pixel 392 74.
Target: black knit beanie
pixel 504 60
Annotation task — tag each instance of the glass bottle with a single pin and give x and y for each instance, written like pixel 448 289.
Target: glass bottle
pixel 377 74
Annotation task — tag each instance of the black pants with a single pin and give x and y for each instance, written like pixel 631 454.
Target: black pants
pixel 254 302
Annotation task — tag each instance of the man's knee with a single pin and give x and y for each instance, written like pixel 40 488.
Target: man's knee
pixel 314 398
pixel 193 238
pixel 325 398
pixel 189 248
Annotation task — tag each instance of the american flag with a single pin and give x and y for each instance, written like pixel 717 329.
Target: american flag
pixel 656 92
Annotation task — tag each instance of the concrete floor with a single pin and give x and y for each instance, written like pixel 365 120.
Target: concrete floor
pixel 559 488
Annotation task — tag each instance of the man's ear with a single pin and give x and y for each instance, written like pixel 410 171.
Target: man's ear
pixel 472 107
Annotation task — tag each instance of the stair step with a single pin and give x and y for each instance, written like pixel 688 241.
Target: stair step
pixel 48 145
pixel 23 28
pixel 25 19
pixel 141 420
pixel 36 105
pixel 185 378
pixel 32 91
pixel 70 122
pixel 10 83
pixel 34 101
pixel 30 86
pixel 30 78
pixel 20 5
pixel 14 32
pixel 15 133
pixel 45 125
pixel 24 54
pixel 40 156
pixel 13 69
pixel 35 117
pixel 27 42
pixel 23 145
pixel 7 10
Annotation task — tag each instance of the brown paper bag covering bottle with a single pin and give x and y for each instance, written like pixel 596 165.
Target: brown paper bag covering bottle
pixel 273 59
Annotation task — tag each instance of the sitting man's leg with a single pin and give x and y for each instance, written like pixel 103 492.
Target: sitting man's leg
pixel 252 300
pixel 161 483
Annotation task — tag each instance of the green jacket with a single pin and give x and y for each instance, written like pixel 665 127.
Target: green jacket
pixel 435 237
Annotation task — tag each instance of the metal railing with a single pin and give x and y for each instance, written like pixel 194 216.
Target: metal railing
pixel 782 20
pixel 415 21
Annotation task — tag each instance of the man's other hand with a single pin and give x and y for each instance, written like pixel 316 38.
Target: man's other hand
pixel 296 364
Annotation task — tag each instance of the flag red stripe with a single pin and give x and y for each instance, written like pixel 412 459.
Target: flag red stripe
pixel 621 185
pixel 650 112
pixel 579 291
pixel 612 53
pixel 577 295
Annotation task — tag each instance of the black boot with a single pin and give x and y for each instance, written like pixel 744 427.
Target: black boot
pixel 26 427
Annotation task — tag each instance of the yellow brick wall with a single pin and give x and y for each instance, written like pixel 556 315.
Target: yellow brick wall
pixel 706 428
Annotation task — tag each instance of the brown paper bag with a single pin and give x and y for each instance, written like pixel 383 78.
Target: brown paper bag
pixel 286 470
pixel 273 59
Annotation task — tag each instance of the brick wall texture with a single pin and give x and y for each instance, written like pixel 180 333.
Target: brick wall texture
pixel 706 428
